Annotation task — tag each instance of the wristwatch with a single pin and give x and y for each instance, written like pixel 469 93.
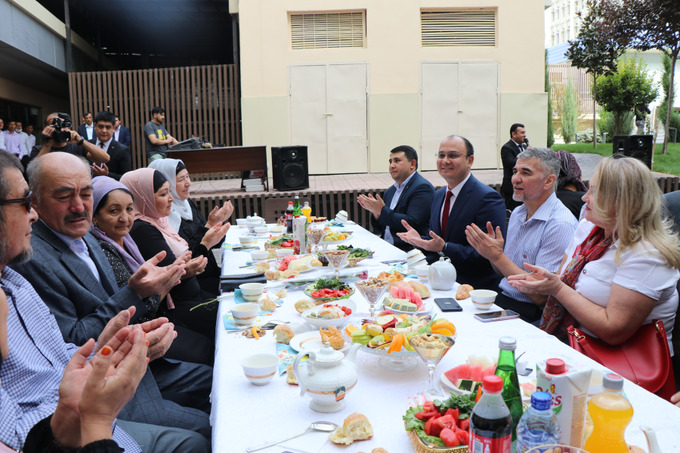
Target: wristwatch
pixel 441 252
pixel 80 143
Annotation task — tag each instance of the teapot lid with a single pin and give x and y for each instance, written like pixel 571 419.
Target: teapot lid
pixel 443 259
pixel 328 354
pixel 254 216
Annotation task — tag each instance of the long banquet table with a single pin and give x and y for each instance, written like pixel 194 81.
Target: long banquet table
pixel 245 415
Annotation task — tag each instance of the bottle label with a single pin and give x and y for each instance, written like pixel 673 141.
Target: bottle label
pixel 480 444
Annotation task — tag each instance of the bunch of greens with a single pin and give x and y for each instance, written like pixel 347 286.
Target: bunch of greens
pixel 330 283
pixel 464 403
pixel 355 253
pixel 281 239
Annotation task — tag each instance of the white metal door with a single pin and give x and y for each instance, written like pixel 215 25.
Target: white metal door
pixel 460 98
pixel 328 113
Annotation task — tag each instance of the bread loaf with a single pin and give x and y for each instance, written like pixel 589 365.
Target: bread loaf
pixel 283 333
pixel 463 291
pixel 304 305
pixel 355 427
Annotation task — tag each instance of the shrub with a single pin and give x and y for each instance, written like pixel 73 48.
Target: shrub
pixel 607 123
pixel 587 137
pixel 569 113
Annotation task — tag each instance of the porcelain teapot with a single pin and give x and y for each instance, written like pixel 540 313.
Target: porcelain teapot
pixel 254 221
pixel 327 377
pixel 442 274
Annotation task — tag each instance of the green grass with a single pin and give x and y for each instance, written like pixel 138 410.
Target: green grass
pixel 669 163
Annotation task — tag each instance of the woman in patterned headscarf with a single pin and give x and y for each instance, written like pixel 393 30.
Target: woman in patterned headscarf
pixel 570 187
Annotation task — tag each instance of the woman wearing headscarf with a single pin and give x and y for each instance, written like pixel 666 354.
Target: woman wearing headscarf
pixel 570 186
pixel 187 220
pixel 620 269
pixel 114 215
pixel 152 233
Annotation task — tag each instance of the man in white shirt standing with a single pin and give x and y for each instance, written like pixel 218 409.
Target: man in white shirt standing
pixel 2 135
pixel 24 137
pixel 408 199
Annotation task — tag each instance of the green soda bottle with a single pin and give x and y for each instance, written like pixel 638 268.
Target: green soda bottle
pixel 508 372
pixel 296 206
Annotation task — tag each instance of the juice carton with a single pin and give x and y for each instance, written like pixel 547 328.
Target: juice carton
pixel 300 234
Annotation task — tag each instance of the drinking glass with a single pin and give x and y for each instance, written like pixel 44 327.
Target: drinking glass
pixel 373 290
pixel 431 347
pixel 337 259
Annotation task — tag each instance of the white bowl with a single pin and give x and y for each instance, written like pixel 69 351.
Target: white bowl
pixel 251 292
pixel 483 299
pixel 246 241
pixel 245 314
pixel 259 369
pixel 422 271
pixel 259 255
pixel 241 222
pixel 325 323
pixel 278 229
pixel 282 253
pixel 261 230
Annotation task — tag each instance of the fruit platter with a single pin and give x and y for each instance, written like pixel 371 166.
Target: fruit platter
pixel 403 299
pixel 333 237
pixel 387 336
pixel 442 426
pixel 325 290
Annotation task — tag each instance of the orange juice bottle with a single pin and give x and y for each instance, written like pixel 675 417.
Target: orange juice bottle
pixel 307 211
pixel 610 413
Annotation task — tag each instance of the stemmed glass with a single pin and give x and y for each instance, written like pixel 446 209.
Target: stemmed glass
pixel 431 347
pixel 337 259
pixel 373 290
pixel 315 235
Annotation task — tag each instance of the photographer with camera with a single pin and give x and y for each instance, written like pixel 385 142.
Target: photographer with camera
pixel 58 136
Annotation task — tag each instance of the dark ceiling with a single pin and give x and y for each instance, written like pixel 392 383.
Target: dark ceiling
pixel 141 34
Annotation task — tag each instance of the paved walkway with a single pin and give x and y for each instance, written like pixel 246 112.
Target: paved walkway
pixel 373 181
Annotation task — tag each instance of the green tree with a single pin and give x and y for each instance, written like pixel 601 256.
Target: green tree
pixel 569 113
pixel 551 132
pixel 648 24
pixel 593 49
pixel 622 90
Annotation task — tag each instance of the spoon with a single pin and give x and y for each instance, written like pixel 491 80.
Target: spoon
pixel 326 427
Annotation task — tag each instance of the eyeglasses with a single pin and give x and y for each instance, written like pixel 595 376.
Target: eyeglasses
pixel 451 156
pixel 25 201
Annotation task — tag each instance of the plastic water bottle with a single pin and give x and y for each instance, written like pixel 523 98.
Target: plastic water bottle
pixel 490 421
pixel 538 425
pixel 610 413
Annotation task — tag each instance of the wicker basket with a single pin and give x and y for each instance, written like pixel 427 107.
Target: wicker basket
pixel 420 447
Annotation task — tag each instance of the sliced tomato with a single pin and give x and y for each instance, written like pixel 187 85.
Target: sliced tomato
pixel 445 421
pixel 464 424
pixel 454 413
pixel 429 406
pixel 428 426
pixel 463 437
pixel 426 415
pixel 449 437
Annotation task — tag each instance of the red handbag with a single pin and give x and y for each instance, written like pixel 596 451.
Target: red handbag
pixel 643 359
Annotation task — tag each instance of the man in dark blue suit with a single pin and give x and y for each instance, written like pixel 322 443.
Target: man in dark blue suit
pixel 121 133
pixel 408 199
pixel 86 130
pixel 464 201
pixel 119 162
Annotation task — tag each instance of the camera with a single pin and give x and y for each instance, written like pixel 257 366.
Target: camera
pixel 60 122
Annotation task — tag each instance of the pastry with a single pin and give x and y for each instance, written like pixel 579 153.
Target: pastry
pixel 290 376
pixel 304 305
pixel 421 289
pixel 267 304
pixel 332 337
pixel 283 333
pixel 262 267
pixel 463 291
pixel 355 427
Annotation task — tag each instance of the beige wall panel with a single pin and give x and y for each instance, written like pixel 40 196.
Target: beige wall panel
pixel 393 120
pixel 272 125
pixel 308 122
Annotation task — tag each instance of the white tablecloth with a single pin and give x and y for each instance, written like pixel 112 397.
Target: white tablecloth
pixel 244 415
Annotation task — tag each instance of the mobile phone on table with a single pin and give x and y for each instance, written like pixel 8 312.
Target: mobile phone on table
pixel 499 315
pixel 448 304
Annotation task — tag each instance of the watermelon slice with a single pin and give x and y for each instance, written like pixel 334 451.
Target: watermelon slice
pixel 476 373
pixel 459 372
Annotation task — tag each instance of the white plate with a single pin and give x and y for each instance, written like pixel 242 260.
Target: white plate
pixel 325 323
pixel 427 308
pixel 310 342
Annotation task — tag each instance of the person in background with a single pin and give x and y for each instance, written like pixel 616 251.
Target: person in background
pixel 68 141
pixel 2 135
pixel 620 270
pixel 121 133
pixel 408 199
pixel 570 186
pixel 462 202
pixel 509 153
pixel 24 139
pixel 119 162
pixel 114 215
pixel 14 142
pixel 539 230
pixel 202 236
pixel 86 130
pixel 156 137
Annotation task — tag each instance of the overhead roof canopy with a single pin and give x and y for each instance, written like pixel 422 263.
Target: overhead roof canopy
pixel 137 34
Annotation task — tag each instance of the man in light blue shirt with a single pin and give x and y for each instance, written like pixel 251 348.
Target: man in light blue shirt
pixel 539 230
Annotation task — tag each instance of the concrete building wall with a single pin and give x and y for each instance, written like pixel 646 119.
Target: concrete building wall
pixel 394 55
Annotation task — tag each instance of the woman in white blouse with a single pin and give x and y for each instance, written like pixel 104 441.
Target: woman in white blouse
pixel 620 270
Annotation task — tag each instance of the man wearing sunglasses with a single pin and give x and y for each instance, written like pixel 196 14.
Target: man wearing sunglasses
pixel 30 374
pixel 464 201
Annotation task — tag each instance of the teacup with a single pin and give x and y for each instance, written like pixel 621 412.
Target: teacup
pixel 244 314
pixel 242 222
pixel 282 253
pixel 483 299
pixel 246 241
pixel 260 368
pixel 422 271
pixel 261 230
pixel 251 292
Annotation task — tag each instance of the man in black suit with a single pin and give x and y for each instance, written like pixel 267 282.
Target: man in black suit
pixel 121 133
pixel 119 161
pixel 464 201
pixel 86 130
pixel 408 199
pixel 509 153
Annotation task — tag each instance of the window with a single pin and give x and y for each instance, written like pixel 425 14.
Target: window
pixel 327 30
pixel 458 28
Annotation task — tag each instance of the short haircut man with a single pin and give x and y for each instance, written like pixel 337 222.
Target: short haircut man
pixel 464 201
pixel 509 152
pixel 539 229
pixel 407 200
pixel 156 137
pixel 119 162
